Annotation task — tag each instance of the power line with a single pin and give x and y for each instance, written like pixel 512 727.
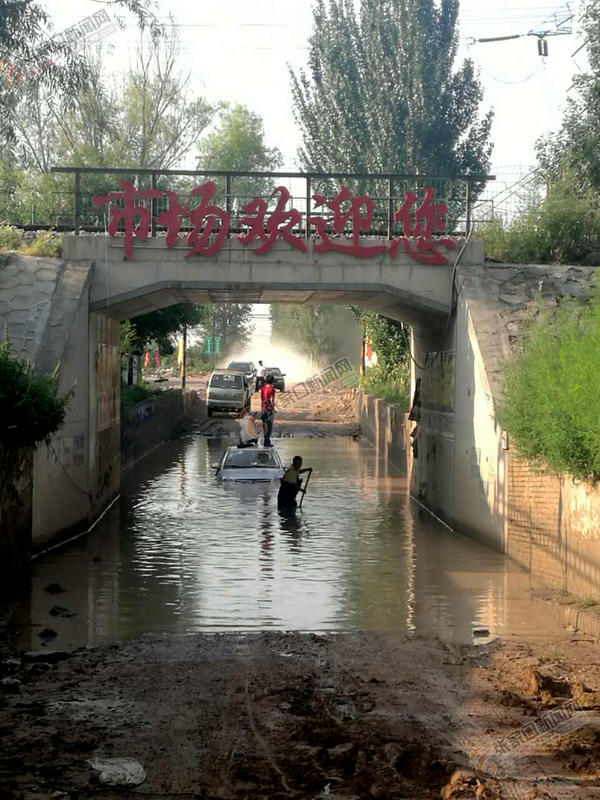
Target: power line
pixel 520 80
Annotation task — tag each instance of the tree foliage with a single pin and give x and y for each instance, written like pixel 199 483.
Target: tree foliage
pixel 162 326
pixel 232 323
pixel 30 407
pixel 381 93
pixel 322 333
pixel 238 144
pixel 575 148
pixel 147 120
pixel 388 336
pixel 28 42
pixel 561 228
pixel 551 393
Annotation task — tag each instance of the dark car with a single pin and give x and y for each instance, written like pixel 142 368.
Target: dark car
pixel 278 378
pixel 247 367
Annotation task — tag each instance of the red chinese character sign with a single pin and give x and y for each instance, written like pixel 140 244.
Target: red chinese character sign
pixel 266 221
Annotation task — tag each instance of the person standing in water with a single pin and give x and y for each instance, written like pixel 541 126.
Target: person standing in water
pixel 291 484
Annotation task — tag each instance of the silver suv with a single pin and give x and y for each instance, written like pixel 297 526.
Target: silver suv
pixel 227 391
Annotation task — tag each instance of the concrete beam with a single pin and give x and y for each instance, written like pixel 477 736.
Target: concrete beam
pixel 400 287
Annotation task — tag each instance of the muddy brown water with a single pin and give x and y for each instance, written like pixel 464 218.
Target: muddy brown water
pixel 182 552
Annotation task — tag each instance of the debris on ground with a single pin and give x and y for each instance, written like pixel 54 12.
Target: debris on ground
pixel 118 771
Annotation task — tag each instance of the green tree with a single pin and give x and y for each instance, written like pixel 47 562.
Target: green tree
pixel 164 325
pixel 388 336
pixel 160 327
pixel 232 323
pixel 148 121
pixel 238 144
pixel 28 45
pixel 574 149
pixel 323 333
pixel 381 93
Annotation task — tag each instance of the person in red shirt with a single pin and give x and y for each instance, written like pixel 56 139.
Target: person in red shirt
pixel 267 405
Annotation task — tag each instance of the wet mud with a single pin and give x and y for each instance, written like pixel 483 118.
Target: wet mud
pixel 276 715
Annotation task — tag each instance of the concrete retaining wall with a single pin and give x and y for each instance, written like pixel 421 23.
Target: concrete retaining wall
pixel 16 490
pixel 385 427
pixel 459 466
pixel 553 528
pixel 154 421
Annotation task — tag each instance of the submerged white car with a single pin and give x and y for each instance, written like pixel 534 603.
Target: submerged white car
pixel 256 464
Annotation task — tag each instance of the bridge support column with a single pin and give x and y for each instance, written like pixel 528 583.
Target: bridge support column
pixel 432 380
pixel 104 418
pixel 458 470
pixel 77 474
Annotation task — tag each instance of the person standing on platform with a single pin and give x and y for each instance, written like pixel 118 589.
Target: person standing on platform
pixel 267 406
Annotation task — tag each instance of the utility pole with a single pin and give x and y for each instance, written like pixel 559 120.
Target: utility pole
pixel 362 351
pixel 184 357
pixel 213 337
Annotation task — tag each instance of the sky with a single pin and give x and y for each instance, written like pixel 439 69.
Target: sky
pixel 240 52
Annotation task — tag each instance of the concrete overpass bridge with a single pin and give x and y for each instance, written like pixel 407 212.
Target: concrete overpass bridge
pixel 155 277
pixel 404 264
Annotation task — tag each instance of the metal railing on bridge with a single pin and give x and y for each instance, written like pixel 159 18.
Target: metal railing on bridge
pixel 73 208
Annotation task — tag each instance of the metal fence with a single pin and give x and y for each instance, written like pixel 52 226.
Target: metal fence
pixel 70 206
pixel 515 191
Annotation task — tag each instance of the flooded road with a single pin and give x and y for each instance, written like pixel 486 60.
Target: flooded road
pixel 182 552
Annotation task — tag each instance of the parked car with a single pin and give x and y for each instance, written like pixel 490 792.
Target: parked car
pixel 227 391
pixel 256 464
pixel 278 378
pixel 247 367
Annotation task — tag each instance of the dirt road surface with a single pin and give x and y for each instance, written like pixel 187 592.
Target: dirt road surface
pixel 275 715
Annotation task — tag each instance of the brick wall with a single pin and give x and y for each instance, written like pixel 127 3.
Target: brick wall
pixel 553 527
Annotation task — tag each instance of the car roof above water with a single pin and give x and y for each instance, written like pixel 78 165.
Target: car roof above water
pixel 251 458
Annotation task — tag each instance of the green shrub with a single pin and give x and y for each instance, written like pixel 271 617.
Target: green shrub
pixel 10 238
pixel 391 385
pixel 46 245
pixel 551 393
pixel 562 228
pixel 137 393
pixel 30 407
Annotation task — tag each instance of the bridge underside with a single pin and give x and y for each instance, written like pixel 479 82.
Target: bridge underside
pixel 155 277
pixel 383 299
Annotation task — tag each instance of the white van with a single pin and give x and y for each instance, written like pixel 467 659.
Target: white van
pixel 227 391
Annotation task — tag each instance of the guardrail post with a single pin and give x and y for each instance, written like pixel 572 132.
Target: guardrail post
pixel 228 203
pixel 153 205
pixel 77 201
pixel 390 230
pixel 468 208
pixel 308 198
